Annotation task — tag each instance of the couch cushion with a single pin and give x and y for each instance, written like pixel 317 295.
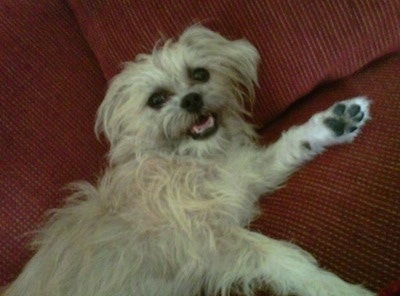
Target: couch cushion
pixel 344 206
pixel 50 87
pixel 302 43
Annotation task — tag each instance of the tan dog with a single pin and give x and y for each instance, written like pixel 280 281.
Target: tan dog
pixel 169 215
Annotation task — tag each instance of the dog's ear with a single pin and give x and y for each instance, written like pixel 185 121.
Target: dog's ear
pixel 237 59
pixel 113 114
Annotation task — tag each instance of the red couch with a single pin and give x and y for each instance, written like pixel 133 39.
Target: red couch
pixel 344 207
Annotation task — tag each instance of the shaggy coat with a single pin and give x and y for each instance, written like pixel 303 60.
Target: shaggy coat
pixel 169 215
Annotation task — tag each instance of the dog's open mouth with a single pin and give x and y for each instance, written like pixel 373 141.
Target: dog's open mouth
pixel 204 127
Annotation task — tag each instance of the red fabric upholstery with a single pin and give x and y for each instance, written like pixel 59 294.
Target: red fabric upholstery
pixel 343 207
pixel 391 290
pixel 50 87
pixel 302 43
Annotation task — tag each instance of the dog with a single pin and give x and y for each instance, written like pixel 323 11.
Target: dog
pixel 168 216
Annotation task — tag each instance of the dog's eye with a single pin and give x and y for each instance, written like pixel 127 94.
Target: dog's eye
pixel 200 74
pixel 157 100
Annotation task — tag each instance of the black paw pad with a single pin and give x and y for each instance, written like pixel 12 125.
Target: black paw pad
pixel 359 118
pixel 336 125
pixel 353 110
pixel 339 109
pixel 352 129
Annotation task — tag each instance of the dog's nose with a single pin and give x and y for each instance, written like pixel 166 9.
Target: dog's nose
pixel 192 102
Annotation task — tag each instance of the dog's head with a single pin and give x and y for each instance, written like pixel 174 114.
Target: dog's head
pixel 187 97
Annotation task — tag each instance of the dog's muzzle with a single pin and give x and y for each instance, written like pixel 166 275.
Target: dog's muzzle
pixel 206 125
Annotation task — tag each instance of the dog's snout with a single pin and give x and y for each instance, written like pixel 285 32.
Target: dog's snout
pixel 192 102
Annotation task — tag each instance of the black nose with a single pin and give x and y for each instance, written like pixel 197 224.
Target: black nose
pixel 192 102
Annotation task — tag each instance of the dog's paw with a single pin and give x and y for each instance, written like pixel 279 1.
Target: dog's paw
pixel 340 123
pixel 345 118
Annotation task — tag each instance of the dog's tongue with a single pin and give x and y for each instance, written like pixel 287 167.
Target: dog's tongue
pixel 202 125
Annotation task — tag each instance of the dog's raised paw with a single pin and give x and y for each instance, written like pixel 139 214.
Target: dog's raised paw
pixel 339 124
pixel 345 118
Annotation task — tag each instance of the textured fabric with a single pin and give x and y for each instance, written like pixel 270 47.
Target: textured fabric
pixel 344 206
pixel 391 290
pixel 302 43
pixel 50 87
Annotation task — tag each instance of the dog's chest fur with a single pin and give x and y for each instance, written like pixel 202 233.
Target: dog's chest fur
pixel 183 192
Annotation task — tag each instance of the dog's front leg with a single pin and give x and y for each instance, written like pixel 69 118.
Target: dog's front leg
pixel 248 261
pixel 339 124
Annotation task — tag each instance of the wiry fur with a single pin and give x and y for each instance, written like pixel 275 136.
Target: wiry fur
pixel 169 215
